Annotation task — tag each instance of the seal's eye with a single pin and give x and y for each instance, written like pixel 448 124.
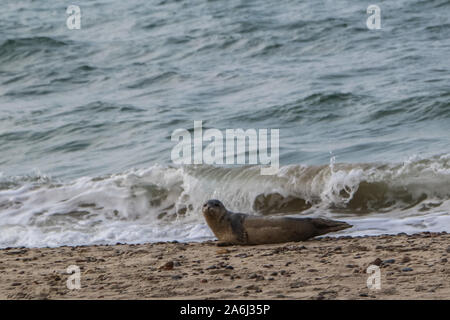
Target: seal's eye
pixel 216 204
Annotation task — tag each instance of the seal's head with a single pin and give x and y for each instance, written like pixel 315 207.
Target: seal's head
pixel 214 209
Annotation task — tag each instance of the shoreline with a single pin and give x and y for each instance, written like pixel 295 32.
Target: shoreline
pixel 411 267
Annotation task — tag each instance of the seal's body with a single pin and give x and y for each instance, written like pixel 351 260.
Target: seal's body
pixel 239 228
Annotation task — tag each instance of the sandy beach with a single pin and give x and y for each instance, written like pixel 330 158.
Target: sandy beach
pixel 411 267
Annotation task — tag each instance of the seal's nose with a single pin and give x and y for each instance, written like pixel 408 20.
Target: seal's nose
pixel 210 204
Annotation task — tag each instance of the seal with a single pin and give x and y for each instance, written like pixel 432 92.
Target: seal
pixel 239 228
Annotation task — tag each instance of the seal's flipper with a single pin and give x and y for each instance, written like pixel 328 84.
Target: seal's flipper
pixel 224 244
pixel 237 225
pixel 325 226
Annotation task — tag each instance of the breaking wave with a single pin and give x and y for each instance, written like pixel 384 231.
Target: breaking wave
pixel 163 203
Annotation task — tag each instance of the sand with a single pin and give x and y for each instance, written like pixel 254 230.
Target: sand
pixel 411 267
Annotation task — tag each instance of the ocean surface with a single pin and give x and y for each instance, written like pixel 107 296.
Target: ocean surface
pixel 86 116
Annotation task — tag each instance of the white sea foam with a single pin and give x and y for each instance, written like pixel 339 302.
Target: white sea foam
pixel 163 203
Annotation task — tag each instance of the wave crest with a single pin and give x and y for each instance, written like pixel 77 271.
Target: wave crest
pixel 161 203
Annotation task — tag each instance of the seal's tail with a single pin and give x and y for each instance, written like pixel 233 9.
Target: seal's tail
pixel 325 226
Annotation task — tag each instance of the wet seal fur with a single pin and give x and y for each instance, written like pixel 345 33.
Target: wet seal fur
pixel 239 228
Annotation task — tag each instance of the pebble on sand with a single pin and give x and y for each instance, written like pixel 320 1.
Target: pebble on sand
pixel 407 269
